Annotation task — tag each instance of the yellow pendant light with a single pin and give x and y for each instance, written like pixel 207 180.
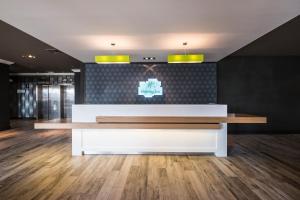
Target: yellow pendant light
pixel 112 59
pixel 186 58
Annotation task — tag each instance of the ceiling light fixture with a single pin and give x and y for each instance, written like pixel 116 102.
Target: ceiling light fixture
pixel 29 56
pixel 149 58
pixel 186 58
pixel 75 70
pixel 112 59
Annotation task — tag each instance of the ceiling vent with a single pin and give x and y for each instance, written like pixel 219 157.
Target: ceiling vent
pixel 53 51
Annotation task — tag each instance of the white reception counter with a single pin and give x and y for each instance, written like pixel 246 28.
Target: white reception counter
pixel 133 137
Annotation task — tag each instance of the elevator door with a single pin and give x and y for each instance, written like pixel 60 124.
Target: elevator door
pixel 67 100
pixel 49 104
pixel 55 101
pixel 42 99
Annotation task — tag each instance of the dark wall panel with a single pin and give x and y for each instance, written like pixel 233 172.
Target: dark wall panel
pixel 267 86
pixel 4 100
pixel 78 93
pixel 182 83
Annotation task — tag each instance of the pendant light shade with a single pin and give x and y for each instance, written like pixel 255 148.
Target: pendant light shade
pixel 186 58
pixel 112 59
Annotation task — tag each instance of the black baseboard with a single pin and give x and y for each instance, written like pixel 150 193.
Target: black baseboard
pixel 276 132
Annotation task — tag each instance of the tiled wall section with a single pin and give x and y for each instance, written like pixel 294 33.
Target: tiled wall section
pixel 182 83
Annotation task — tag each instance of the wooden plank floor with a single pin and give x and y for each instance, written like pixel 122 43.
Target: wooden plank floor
pixel 37 164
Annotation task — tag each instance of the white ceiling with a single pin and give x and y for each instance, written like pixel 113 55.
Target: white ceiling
pixel 85 28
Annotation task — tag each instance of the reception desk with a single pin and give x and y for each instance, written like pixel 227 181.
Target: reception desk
pixel 135 129
pixel 151 137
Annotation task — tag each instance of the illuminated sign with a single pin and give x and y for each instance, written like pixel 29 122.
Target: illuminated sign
pixel 150 88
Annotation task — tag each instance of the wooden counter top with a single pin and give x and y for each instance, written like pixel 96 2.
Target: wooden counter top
pixel 231 118
pixel 159 119
pixel 154 122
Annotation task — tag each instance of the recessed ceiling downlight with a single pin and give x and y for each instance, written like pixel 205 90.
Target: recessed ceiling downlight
pixel 149 58
pixel 29 56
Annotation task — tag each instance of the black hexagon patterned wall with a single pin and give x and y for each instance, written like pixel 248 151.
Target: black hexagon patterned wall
pixel 181 83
